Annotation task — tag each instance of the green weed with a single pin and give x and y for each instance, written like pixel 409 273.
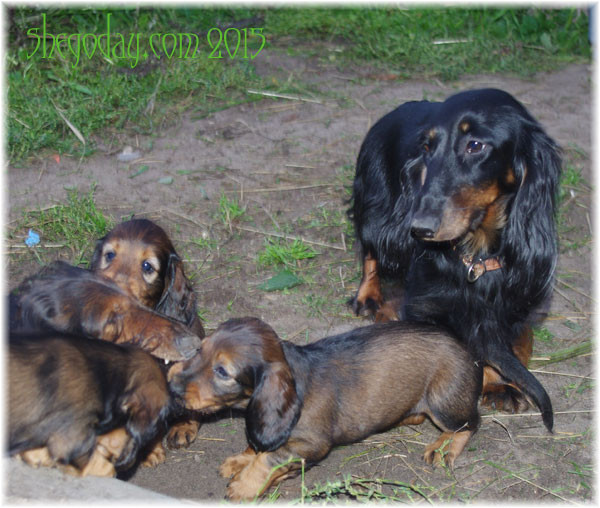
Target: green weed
pixel 77 223
pixel 230 210
pixel 283 252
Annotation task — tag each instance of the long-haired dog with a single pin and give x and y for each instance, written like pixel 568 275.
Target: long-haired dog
pixel 140 258
pixel 65 298
pixel 85 405
pixel 456 200
pixel 300 401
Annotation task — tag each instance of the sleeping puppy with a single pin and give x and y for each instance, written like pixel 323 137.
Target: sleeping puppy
pixel 64 298
pixel 86 406
pixel 301 401
pixel 139 257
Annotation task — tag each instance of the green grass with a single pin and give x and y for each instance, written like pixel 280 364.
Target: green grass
pixel 442 42
pixel 103 96
pixel 230 210
pixel 77 224
pixel 283 252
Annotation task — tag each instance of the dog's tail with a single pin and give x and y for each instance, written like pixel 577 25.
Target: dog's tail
pixel 513 370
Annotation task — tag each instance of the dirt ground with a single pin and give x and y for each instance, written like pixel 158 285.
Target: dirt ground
pixel 290 163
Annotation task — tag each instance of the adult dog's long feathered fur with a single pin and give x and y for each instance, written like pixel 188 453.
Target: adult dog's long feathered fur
pixel 456 200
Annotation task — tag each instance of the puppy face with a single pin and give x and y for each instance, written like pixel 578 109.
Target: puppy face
pixel 469 171
pixel 228 366
pixel 135 255
pixel 243 365
pixel 139 257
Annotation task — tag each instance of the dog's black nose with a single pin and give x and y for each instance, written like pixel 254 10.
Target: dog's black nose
pixel 421 232
pixel 423 226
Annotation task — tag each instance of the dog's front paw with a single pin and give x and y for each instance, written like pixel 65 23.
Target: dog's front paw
pixel 366 307
pixel 156 456
pixel 234 464
pixel 240 490
pixel 183 434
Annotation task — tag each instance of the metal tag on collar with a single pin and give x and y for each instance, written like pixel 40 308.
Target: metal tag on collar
pixel 475 270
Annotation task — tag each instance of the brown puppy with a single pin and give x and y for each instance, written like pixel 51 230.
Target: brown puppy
pixel 87 406
pixel 139 257
pixel 302 400
pixel 65 298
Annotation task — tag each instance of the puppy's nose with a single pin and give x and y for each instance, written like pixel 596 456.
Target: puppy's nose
pixel 423 226
pixel 187 345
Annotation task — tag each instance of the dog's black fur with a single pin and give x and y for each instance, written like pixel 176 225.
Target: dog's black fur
pixel 473 177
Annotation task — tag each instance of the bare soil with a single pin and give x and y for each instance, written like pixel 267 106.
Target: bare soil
pixel 290 164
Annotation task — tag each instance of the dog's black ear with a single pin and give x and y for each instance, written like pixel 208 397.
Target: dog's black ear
pixel 273 409
pixel 97 256
pixel 178 300
pixel 531 233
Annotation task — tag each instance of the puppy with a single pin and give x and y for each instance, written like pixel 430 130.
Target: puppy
pixel 87 406
pixel 455 201
pixel 301 401
pixel 139 257
pixel 64 298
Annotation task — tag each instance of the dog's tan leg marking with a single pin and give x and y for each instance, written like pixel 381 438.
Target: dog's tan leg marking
pixel 37 457
pixel 156 456
pixel 108 448
pixel 413 420
pixel 450 450
pixel 183 434
pixel 370 285
pixel 255 479
pixel 234 464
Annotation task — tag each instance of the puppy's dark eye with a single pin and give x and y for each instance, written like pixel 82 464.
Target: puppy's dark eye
pixel 109 256
pixel 221 372
pixel 147 267
pixel 474 146
pixel 426 147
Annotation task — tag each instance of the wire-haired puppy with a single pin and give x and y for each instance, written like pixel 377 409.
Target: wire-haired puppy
pixel 140 258
pixel 456 201
pixel 87 406
pixel 301 401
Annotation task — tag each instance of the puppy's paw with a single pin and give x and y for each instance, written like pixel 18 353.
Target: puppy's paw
pixel 156 456
pixel 182 434
pixel 240 490
pixel 234 464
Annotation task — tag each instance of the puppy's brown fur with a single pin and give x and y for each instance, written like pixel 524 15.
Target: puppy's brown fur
pixel 302 400
pixel 87 406
pixel 139 257
pixel 68 299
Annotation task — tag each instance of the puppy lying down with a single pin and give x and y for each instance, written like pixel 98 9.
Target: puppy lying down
pixel 300 401
pixel 85 406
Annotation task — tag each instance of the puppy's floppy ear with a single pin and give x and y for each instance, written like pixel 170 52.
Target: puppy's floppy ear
pixel 178 300
pixel 274 407
pixel 95 264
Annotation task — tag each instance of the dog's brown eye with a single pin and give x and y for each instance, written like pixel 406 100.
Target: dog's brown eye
pixel 147 267
pixel 474 146
pixel 221 372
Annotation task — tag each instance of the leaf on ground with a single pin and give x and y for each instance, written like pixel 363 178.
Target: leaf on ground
pixel 283 280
